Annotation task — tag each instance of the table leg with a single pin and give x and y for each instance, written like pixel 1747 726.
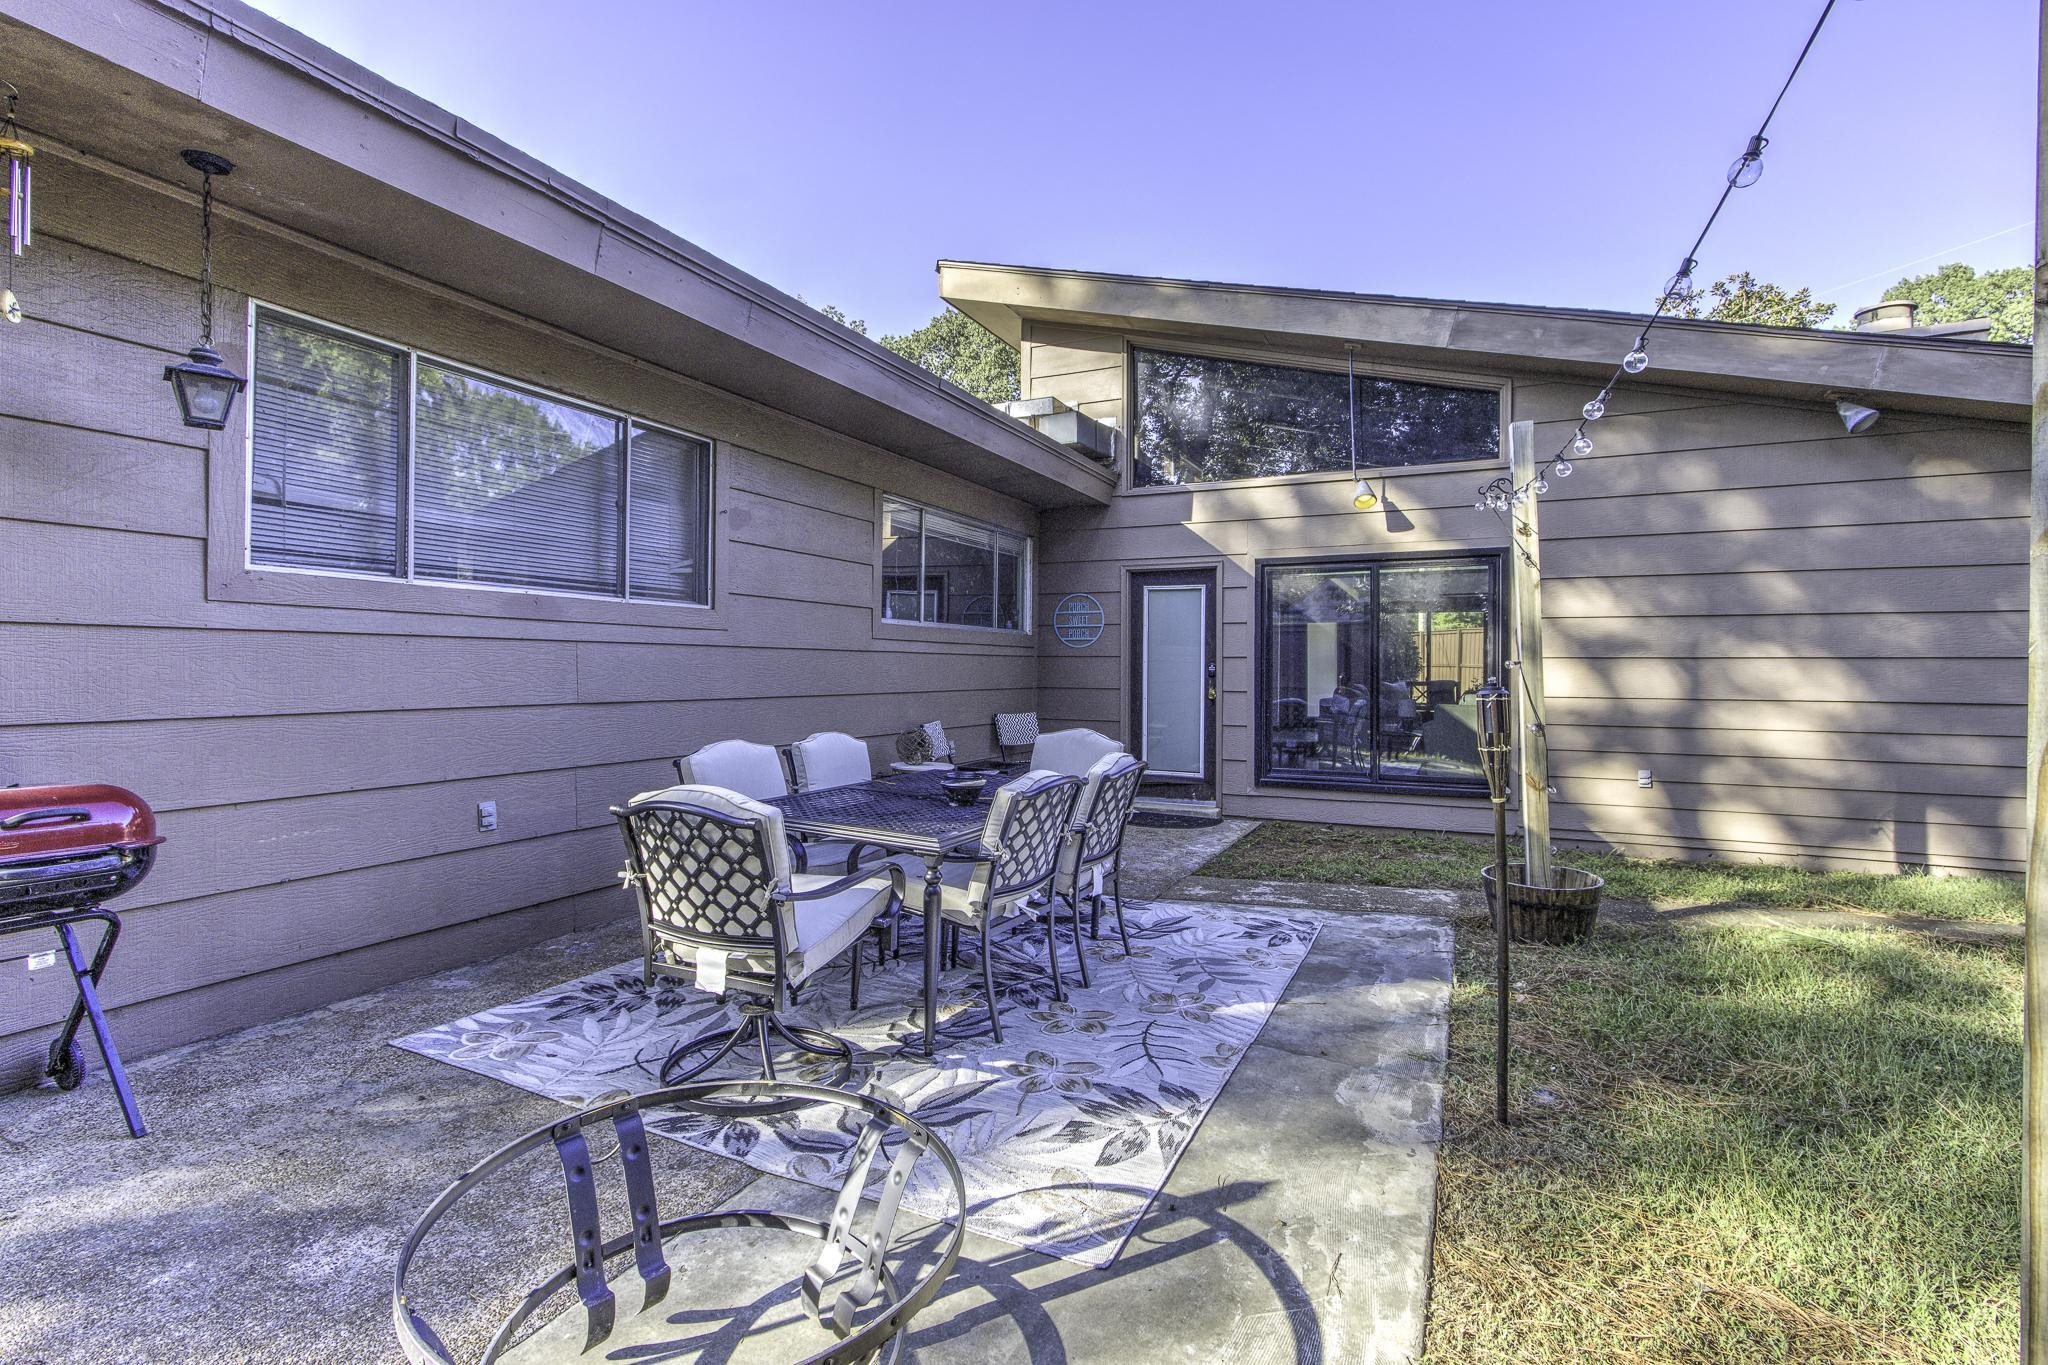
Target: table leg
pixel 932 924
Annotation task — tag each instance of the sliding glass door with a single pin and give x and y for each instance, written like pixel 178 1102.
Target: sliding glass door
pixel 1368 668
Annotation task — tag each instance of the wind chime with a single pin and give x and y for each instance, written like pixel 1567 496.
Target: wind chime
pixel 20 202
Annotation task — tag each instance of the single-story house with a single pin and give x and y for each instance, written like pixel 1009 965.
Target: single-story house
pixel 528 496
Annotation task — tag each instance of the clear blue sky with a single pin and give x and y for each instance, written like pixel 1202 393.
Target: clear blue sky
pixel 1560 152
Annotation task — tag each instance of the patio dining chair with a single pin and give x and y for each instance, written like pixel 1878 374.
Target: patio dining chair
pixel 1016 732
pixel 1093 859
pixel 829 758
pixel 1021 839
pixel 721 908
pixel 1072 752
pixel 757 770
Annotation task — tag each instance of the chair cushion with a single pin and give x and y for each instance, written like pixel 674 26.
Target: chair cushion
pixel 827 926
pixel 1072 752
pixel 739 765
pixel 829 759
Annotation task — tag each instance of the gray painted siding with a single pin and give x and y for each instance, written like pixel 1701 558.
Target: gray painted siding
pixel 316 756
pixel 1815 642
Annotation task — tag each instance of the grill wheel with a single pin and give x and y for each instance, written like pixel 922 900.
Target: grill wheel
pixel 68 1071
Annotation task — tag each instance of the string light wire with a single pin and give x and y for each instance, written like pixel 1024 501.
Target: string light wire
pixel 1502 494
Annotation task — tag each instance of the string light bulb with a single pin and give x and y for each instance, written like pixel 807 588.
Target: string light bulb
pixel 1679 287
pixel 1637 360
pixel 1563 469
pixel 1582 445
pixel 1596 407
pixel 1749 167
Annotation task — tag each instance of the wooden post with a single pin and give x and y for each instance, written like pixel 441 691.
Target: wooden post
pixel 2034 1168
pixel 1525 596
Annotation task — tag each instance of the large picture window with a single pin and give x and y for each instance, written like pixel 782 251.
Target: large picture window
pixel 1368 669
pixel 371 459
pixel 1202 419
pixel 940 569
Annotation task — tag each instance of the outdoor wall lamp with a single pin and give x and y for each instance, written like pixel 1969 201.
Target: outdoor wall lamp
pixel 205 388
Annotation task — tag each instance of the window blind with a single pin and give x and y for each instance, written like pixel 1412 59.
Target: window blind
pixel 669 504
pixel 327 461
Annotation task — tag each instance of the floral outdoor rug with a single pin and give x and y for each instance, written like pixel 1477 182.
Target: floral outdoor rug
pixel 1064 1131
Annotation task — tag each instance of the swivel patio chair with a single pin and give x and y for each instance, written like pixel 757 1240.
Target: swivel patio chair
pixel 856 1293
pixel 757 770
pixel 1016 732
pixel 720 908
pixel 1072 752
pixel 1021 839
pixel 1093 859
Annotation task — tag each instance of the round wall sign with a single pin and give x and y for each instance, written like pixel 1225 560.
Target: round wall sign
pixel 1077 620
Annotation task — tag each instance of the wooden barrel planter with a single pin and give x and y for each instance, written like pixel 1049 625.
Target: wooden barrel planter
pixel 1562 912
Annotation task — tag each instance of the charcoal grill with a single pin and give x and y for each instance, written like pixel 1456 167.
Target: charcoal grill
pixel 64 852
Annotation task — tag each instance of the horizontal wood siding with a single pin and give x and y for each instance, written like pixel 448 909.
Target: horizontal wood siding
pixel 317 762
pixel 1815 642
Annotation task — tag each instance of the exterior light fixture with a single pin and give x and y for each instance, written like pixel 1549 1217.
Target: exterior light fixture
pixel 1855 416
pixel 205 388
pixel 1362 496
pixel 1749 167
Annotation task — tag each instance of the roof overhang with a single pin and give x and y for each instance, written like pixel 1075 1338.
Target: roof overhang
pixel 328 149
pixel 1933 374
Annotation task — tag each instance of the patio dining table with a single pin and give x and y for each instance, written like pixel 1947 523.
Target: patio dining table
pixel 902 813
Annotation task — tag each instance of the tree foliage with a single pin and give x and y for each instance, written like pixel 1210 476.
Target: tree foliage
pixel 1957 293
pixel 1742 297
pixel 955 347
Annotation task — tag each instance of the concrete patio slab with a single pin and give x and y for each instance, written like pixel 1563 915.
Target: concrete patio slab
pixel 1296 1227
pixel 261 1218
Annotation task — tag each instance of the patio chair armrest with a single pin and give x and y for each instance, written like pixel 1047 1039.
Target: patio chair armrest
pixel 892 871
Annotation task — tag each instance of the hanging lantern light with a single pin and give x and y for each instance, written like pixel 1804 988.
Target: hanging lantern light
pixel 1362 496
pixel 20 202
pixel 204 386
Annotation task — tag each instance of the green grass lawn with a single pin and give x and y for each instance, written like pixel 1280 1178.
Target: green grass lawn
pixel 1752 1145
pixel 1286 851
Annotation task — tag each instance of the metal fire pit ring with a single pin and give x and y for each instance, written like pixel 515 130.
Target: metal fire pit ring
pixel 833 1291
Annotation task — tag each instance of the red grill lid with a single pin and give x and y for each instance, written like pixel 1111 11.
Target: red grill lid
pixel 37 822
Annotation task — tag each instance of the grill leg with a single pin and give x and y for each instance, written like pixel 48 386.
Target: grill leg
pixel 87 974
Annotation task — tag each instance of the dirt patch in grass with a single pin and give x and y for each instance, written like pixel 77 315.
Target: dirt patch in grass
pixel 1734 1144
pixel 1287 851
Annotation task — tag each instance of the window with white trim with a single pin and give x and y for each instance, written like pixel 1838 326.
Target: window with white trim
pixel 368 458
pixel 942 569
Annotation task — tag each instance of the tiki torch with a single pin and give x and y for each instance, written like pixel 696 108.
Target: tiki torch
pixel 1493 756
